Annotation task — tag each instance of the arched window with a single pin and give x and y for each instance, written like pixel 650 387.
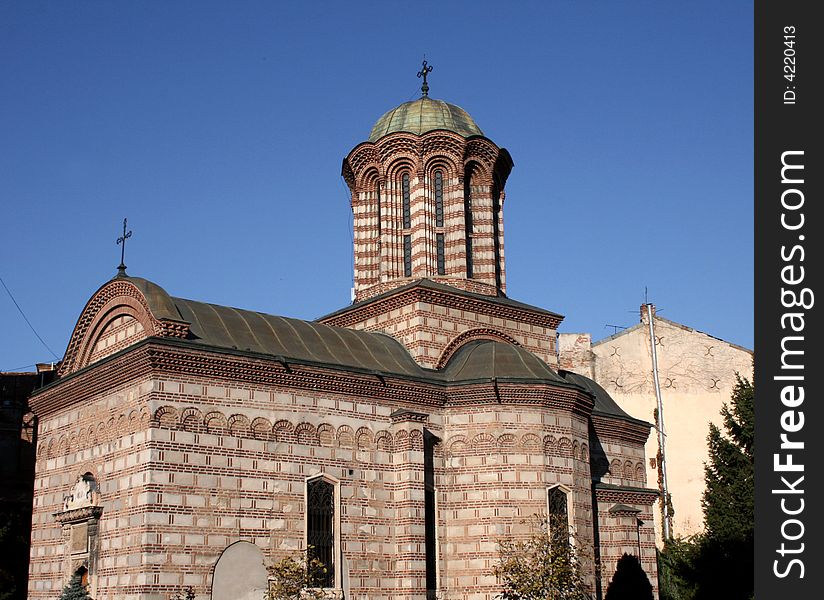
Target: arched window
pixel 496 234
pixel 468 222
pixel 407 223
pixel 438 198
pixel 439 237
pixel 320 528
pixel 557 501
pixel 378 203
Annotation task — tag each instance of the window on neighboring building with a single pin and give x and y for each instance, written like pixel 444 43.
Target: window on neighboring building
pixel 407 216
pixel 558 516
pixel 320 528
pixel 439 198
pixel 407 256
pixel 441 260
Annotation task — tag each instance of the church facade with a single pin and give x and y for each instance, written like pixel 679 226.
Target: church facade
pixel 400 438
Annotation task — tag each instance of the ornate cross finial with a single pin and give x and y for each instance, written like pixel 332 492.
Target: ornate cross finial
pixel 121 241
pixel 423 73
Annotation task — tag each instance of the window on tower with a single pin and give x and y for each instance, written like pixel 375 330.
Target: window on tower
pixel 468 222
pixel 439 198
pixel 378 204
pixel 441 261
pixel 407 256
pixel 407 217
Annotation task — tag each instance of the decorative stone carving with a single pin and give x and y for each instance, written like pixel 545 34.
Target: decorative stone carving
pixel 83 494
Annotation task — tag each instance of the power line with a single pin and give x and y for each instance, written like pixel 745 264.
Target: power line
pixel 25 318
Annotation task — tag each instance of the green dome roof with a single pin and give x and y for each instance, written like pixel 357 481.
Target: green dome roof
pixel 422 115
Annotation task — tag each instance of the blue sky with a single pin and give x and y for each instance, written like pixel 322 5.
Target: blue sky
pixel 218 129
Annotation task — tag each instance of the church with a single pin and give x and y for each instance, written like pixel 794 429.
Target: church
pixel 401 438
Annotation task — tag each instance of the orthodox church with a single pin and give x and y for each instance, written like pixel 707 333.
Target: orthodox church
pixel 400 439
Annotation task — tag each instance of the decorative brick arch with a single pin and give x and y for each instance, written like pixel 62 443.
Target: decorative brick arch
pixel 115 299
pixel 479 333
pixel 238 425
pixel 165 416
pixel 191 419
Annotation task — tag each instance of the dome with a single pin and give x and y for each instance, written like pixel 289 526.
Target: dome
pixel 422 115
pixel 485 359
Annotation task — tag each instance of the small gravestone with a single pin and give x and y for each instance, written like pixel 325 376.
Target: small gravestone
pixel 240 573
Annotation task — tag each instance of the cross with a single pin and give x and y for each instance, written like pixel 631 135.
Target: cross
pixel 121 241
pixel 423 73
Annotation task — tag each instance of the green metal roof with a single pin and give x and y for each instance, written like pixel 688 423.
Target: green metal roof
pixel 604 403
pixel 487 359
pixel 429 284
pixel 246 331
pixel 422 115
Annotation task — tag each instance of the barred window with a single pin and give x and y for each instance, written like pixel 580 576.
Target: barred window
pixel 407 219
pixel 438 198
pixel 558 517
pixel 320 529
pixel 407 256
pixel 441 260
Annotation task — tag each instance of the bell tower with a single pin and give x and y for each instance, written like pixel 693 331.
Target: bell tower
pixel 427 190
pixel 427 198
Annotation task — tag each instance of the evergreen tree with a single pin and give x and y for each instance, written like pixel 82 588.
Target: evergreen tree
pixel 719 562
pixel 75 590
pixel 729 495
pixel 629 582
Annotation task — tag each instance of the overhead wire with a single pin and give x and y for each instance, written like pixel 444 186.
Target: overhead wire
pixel 26 319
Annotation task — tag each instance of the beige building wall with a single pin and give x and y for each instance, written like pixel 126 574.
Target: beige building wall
pixel 697 373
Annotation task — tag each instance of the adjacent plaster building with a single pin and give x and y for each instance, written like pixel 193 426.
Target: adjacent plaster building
pixel 696 372
pixel 401 437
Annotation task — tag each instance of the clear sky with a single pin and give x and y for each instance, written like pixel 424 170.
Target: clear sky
pixel 219 128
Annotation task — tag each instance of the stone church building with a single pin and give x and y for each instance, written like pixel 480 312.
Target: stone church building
pixel 401 437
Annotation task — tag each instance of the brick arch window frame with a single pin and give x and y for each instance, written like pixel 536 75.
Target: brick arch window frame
pixel 309 536
pixel 554 494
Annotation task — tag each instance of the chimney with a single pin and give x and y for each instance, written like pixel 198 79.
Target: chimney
pixel 644 314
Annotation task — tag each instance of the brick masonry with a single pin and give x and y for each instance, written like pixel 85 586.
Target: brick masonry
pixel 156 454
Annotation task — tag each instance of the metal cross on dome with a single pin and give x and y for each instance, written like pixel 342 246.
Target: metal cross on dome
pixel 121 241
pixel 423 73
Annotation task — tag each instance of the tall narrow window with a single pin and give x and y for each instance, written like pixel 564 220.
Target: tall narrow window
pixel 320 528
pixel 407 217
pixel 558 517
pixel 439 198
pixel 496 235
pixel 468 223
pixel 378 202
pixel 407 256
pixel 441 261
